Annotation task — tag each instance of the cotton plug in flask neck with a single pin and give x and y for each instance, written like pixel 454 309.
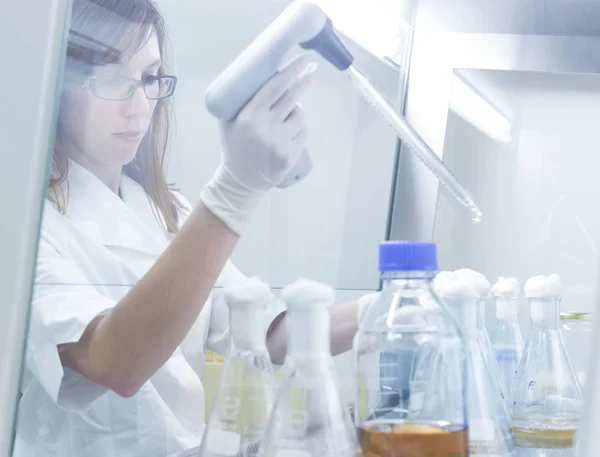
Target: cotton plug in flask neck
pixel 411 365
pixel 547 397
pixel 482 287
pixel 308 418
pixel 507 339
pixel 488 423
pixel 246 389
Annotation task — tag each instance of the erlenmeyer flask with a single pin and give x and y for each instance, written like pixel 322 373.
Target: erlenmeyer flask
pixel 246 387
pixel 482 286
pixel 415 406
pixel 489 433
pixel 308 418
pixel 507 339
pixel 546 394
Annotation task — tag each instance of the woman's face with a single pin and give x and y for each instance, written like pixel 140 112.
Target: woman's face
pixel 107 133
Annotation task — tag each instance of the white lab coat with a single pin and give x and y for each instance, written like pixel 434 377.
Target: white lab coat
pixel 88 259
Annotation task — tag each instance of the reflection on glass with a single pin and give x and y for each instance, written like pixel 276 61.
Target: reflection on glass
pixel 110 214
pixel 130 278
pixel 539 187
pixel 468 103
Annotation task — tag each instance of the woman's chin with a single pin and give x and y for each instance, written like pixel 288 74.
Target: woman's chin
pixel 124 154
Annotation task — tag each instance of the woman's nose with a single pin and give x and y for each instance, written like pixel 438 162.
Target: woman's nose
pixel 138 104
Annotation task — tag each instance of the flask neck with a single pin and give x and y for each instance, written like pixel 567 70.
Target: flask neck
pixel 545 312
pixel 409 296
pixel 466 313
pixel 309 332
pixel 416 278
pixel 507 309
pixel 481 312
pixel 407 282
pixel 247 328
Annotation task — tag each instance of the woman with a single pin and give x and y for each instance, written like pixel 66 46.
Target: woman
pixel 122 308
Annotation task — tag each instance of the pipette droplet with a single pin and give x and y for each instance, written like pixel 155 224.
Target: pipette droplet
pixel 477 215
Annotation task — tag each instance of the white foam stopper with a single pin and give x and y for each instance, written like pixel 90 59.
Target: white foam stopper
pixel 543 293
pixel 249 292
pixel 308 293
pixel 308 304
pixel 247 300
pixel 478 280
pixel 543 286
pixel 506 287
pixel 459 294
pixel 506 292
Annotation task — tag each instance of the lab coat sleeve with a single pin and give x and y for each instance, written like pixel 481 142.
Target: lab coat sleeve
pixel 63 304
pixel 218 332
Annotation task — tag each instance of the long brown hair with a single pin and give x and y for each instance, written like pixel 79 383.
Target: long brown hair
pixel 105 32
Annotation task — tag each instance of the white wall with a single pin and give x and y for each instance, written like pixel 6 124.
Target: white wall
pixel 559 182
pixel 326 228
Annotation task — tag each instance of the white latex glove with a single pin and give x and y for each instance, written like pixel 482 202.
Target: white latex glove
pixel 364 303
pixel 261 145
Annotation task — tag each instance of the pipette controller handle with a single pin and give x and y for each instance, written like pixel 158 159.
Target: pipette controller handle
pixel 301 24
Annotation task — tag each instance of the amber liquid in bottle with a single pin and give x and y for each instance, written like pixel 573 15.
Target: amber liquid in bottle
pixel 413 439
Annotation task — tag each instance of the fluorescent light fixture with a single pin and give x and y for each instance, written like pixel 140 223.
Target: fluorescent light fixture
pixel 469 104
pixel 376 25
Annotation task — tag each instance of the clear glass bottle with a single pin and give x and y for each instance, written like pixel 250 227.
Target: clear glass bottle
pixel 507 339
pixel 546 396
pixel 416 405
pixel 489 433
pixel 576 329
pixel 246 389
pixel 308 418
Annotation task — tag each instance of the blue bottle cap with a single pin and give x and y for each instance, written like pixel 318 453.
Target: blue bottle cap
pixel 407 256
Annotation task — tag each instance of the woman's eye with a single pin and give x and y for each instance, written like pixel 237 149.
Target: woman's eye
pixel 111 80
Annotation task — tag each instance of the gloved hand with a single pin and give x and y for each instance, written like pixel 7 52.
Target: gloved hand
pixel 261 145
pixel 364 303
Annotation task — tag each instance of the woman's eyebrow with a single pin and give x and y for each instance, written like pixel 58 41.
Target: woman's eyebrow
pixel 156 63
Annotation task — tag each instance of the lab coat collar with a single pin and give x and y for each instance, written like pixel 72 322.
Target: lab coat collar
pixel 101 214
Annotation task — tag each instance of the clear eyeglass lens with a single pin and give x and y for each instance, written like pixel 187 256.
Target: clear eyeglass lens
pixel 120 88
